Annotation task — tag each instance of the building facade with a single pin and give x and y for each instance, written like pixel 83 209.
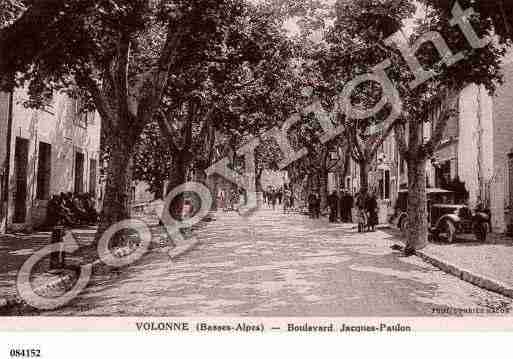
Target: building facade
pixel 5 119
pixel 476 150
pixel 49 151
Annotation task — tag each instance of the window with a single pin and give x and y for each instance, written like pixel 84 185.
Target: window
pixel 384 184
pixel 44 171
pixel 92 176
pixel 82 117
pixel 387 184
pixel 443 174
pixel 79 172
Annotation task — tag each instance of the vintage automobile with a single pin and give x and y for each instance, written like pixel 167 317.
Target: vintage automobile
pixel 446 219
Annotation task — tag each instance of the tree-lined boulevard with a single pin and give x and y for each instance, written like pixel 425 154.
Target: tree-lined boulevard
pixel 222 93
pixel 275 264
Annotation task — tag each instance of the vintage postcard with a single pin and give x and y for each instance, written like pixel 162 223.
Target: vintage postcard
pixel 256 166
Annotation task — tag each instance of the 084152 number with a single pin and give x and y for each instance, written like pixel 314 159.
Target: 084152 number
pixel 25 353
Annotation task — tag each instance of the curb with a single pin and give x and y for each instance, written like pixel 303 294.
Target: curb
pixel 478 280
pixel 465 275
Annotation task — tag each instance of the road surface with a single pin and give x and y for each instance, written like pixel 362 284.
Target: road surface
pixel 273 264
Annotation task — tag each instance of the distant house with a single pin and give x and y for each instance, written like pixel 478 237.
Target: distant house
pixel 51 151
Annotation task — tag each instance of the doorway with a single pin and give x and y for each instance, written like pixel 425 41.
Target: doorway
pixel 20 171
pixel 79 172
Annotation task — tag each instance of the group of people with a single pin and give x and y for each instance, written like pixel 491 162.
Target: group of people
pixel 274 197
pixel 341 206
pixel 70 209
pixel 367 211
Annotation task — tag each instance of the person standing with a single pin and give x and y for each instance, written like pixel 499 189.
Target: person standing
pixel 286 200
pixel 317 206
pixel 273 196
pixel 333 202
pixel 342 206
pixel 361 202
pixel 233 200
pixel 221 200
pixel 311 205
pixel 372 210
pixel 347 207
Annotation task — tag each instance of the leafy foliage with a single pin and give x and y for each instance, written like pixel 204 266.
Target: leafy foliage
pixel 152 160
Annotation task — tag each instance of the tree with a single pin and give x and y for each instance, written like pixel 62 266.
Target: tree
pixel 350 51
pixel 267 158
pixel 369 37
pixel 499 13
pixel 152 160
pixel 39 24
pixel 122 55
pixel 468 57
pixel 237 90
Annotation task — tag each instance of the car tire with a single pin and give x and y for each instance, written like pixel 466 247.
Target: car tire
pixel 446 231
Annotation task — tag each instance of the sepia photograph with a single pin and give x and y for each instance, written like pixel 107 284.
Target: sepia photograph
pixel 256 166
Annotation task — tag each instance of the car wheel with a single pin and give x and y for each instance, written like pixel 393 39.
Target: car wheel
pixel 447 231
pixel 480 230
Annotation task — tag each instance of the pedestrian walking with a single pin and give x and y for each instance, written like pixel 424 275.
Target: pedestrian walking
pixel 333 202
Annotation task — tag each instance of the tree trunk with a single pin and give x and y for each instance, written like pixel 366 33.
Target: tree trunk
pixel 345 170
pixel 323 179
pixel 417 205
pixel 179 171
pixel 211 183
pixel 258 181
pixel 177 176
pixel 159 191
pixel 213 186
pixel 116 202
pixel 364 175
